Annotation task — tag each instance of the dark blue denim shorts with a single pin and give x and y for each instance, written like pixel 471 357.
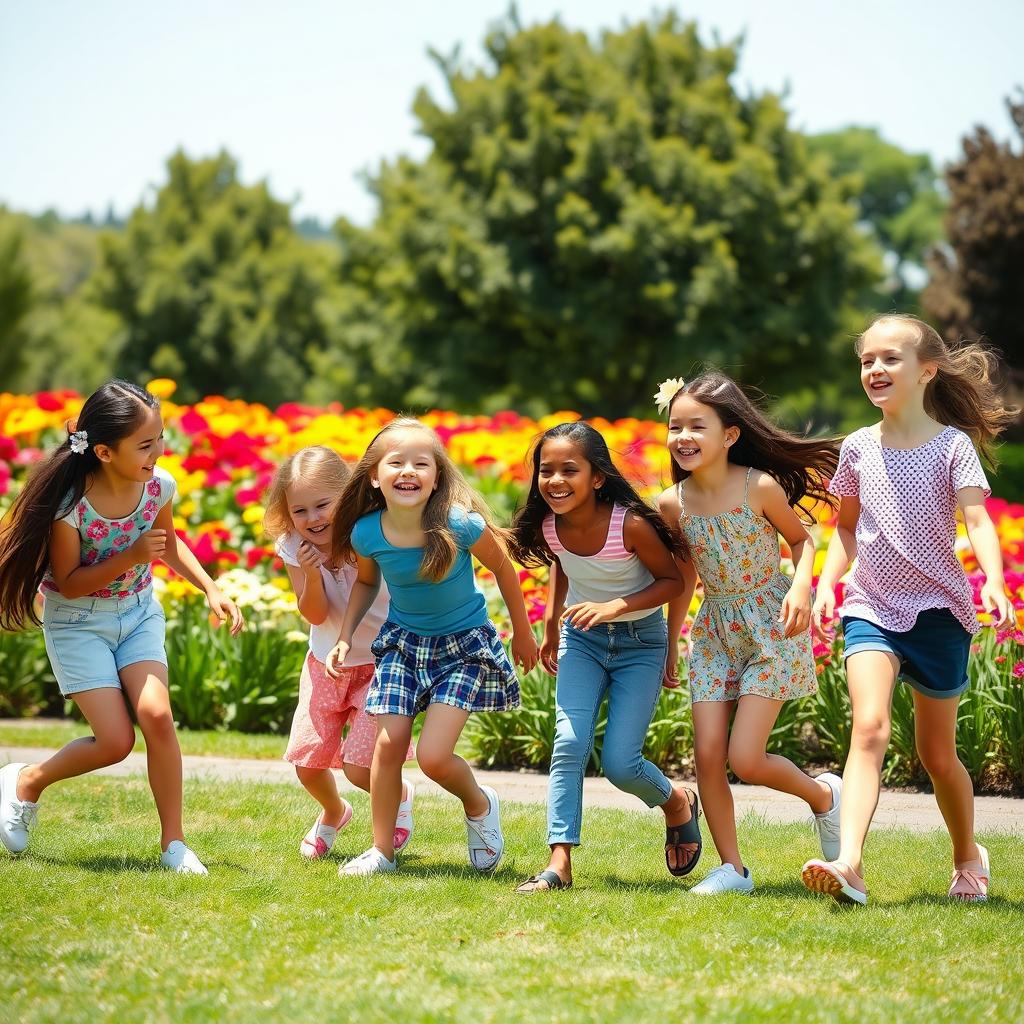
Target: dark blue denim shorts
pixel 933 655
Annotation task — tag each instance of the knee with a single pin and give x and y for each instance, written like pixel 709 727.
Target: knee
pixel 747 765
pixel 709 756
pixel 435 765
pixel 156 723
pixel 871 735
pixel 306 775
pixel 357 774
pixel 389 750
pixel 620 770
pixel 940 762
pixel 115 746
pixel 570 751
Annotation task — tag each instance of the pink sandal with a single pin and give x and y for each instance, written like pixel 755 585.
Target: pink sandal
pixel 970 880
pixel 835 879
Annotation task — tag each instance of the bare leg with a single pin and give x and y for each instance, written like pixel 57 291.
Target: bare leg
pixel 393 735
pixel 320 785
pixel 436 755
pixel 145 684
pixel 935 734
pixel 711 745
pixel 748 757
pixel 112 741
pixel 871 678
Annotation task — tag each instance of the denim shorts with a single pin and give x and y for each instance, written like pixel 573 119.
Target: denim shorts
pixel 468 670
pixel 90 639
pixel 932 655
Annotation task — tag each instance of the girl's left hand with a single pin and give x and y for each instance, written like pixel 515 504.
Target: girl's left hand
pixel 224 608
pixel 525 651
pixel 795 613
pixel 994 601
pixel 591 613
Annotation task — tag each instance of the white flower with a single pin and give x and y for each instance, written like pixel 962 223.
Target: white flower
pixel 79 442
pixel 667 391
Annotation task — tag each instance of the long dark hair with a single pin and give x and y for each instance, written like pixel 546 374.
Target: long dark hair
pixel 360 498
pixel 527 536
pixel 800 464
pixel 109 415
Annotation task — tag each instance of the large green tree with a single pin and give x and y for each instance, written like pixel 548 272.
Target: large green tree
pixel 897 199
pixel 211 286
pixel 976 288
pixel 16 294
pixel 594 215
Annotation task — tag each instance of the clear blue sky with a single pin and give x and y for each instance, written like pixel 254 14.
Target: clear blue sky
pixel 95 96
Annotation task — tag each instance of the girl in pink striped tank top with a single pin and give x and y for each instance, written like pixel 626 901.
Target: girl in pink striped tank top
pixel 613 559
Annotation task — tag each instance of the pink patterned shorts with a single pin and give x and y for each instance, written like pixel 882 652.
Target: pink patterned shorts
pixel 325 707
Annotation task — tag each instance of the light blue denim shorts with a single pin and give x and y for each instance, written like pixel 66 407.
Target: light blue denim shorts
pixel 90 639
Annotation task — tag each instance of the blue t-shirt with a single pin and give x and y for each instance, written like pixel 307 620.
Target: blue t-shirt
pixel 421 606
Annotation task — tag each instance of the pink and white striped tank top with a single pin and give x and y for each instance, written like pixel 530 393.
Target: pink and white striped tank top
pixel 613 572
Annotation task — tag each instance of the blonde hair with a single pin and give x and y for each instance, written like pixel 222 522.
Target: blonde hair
pixel 964 392
pixel 316 464
pixel 453 491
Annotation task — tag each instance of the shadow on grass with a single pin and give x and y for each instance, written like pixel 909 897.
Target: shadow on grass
pixel 104 863
pixel 993 903
pixel 428 867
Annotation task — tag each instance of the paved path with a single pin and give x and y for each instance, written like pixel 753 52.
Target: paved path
pixel 916 811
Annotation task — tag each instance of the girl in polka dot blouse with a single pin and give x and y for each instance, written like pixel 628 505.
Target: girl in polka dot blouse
pixel 908 610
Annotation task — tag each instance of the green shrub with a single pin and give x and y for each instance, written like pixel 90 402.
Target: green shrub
pixel 27 684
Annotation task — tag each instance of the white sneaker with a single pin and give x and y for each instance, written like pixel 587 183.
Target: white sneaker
pixel 17 817
pixel 403 823
pixel 725 878
pixel 484 840
pixel 372 862
pixel 180 859
pixel 827 824
pixel 317 842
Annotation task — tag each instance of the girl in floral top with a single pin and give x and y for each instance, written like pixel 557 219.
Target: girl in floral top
pixel 908 610
pixel 736 479
pixel 85 531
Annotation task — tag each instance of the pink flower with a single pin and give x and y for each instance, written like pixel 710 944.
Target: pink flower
pixel 1018 670
pixel 127 527
pixel 122 540
pixel 104 593
pixel 97 530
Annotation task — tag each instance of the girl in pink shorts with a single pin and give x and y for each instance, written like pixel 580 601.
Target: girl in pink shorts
pixel 300 510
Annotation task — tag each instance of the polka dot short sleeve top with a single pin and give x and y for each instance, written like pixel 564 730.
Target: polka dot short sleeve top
pixel 906 530
pixel 102 538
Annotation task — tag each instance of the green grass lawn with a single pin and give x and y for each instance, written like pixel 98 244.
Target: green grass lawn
pixel 92 931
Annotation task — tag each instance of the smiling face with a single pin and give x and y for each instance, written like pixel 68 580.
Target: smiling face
pixel 134 457
pixel 696 434
pixel 311 505
pixel 407 473
pixel 890 370
pixel 565 479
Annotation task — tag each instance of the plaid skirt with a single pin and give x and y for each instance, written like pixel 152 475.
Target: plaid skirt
pixel 468 670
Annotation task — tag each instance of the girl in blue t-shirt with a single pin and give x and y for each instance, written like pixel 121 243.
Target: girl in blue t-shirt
pixel 84 531
pixel 407 514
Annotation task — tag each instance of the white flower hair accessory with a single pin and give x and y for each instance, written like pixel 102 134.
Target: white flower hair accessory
pixel 80 442
pixel 667 390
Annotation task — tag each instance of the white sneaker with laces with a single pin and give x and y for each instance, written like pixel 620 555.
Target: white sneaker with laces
pixel 827 823
pixel 17 817
pixel 370 862
pixel 484 840
pixel 724 878
pixel 180 859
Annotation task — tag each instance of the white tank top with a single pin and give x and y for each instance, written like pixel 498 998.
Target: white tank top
pixel 613 572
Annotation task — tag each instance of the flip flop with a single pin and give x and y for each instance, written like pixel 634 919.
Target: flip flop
pixel 836 879
pixel 552 878
pixel 687 833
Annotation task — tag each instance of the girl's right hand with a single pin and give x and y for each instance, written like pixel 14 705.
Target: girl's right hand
pixel 824 609
pixel 549 653
pixel 149 547
pixel 336 659
pixel 670 680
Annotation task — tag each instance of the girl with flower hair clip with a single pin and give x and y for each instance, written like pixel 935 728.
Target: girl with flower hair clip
pixel 84 531
pixel 738 482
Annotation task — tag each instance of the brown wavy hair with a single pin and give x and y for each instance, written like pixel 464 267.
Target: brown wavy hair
pixel 110 414
pixel 316 464
pixel 360 498
pixel 801 465
pixel 965 392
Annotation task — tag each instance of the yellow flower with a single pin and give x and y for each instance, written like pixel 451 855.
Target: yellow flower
pixel 253 514
pixel 162 387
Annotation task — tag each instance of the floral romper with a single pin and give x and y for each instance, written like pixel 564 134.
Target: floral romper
pixel 738 647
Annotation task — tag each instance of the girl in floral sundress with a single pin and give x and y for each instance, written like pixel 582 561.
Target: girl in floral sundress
pixel 736 480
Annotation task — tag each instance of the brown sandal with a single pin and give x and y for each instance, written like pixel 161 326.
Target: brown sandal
pixel 676 836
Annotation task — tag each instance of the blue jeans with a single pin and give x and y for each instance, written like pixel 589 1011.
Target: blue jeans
pixel 625 660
